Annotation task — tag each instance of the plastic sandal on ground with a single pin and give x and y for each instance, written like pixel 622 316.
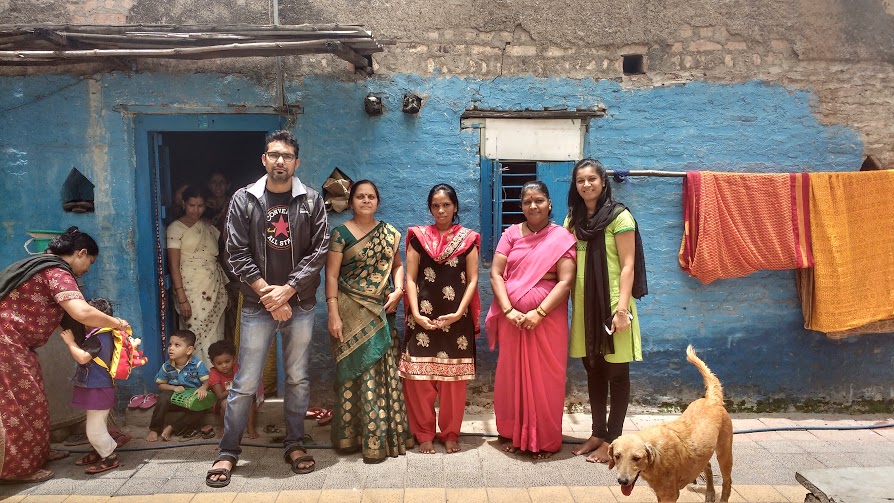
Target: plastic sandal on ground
pixel 149 401
pixel 314 412
pixel 135 401
pixel 325 418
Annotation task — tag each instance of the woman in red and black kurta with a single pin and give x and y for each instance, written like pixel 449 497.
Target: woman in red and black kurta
pixel 442 304
pixel 34 294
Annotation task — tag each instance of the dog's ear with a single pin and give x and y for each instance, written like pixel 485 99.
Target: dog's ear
pixel 651 454
pixel 611 456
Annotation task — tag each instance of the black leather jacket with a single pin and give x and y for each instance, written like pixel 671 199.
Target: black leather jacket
pixel 246 252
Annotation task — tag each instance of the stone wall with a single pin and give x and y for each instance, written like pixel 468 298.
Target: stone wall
pixel 841 49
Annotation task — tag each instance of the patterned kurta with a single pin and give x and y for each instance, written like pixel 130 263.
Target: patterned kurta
pixel 444 354
pixel 28 317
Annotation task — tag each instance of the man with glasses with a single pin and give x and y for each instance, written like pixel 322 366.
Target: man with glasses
pixel 277 239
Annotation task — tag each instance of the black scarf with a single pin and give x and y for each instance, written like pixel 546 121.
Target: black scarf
pixel 598 313
pixel 19 272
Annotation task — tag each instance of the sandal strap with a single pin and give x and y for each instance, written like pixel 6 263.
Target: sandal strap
pixel 292 448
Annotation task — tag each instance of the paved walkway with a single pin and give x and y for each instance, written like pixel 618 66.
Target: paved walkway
pixel 764 469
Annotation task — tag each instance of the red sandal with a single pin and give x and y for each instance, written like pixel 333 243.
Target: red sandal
pixel 89 460
pixel 325 418
pixel 105 464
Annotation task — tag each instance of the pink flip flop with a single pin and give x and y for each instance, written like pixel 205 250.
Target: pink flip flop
pixel 149 401
pixel 135 401
pixel 314 413
pixel 325 418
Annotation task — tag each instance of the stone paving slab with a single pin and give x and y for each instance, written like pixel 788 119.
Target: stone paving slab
pixel 763 471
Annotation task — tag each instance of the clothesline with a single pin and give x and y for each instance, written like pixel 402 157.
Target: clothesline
pixel 647 172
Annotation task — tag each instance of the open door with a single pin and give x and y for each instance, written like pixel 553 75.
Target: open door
pixel 161 162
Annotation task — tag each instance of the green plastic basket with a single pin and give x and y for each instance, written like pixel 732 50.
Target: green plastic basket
pixel 189 400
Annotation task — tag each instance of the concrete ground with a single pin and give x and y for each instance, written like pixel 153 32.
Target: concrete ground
pixel 764 468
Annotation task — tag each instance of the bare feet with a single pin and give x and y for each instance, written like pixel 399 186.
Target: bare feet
pixel 542 455
pixel 600 455
pixel 167 432
pixel 590 445
pixel 221 463
pixel 452 446
pixel 251 434
pixel 508 447
pixel 427 447
pixel 152 437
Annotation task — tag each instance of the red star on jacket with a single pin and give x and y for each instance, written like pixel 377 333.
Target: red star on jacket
pixel 281 226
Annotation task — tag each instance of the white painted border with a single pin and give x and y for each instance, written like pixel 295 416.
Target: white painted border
pixel 533 139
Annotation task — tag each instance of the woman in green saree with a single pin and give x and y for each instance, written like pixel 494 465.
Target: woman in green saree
pixel 370 413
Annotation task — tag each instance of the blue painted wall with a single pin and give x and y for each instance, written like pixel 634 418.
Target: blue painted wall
pixel 749 330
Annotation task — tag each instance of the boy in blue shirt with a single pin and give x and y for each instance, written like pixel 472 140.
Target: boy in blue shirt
pixel 182 371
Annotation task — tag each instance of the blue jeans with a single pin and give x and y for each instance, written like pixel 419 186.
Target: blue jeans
pixel 257 332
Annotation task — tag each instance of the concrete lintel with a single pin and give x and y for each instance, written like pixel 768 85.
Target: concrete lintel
pixel 289 110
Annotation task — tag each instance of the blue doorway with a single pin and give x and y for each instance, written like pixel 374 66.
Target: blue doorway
pixel 172 151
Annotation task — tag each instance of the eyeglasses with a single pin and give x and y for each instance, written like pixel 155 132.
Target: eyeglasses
pixel 274 156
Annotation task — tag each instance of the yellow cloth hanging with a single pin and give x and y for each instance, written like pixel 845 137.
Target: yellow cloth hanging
pixel 851 222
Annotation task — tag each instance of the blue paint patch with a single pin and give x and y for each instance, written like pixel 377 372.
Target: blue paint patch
pixel 749 330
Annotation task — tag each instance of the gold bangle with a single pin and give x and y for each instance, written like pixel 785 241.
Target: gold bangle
pixel 541 311
pixel 508 310
pixel 331 299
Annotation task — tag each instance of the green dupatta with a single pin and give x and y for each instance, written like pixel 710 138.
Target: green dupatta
pixel 363 280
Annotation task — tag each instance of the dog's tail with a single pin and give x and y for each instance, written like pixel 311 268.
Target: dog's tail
pixel 713 389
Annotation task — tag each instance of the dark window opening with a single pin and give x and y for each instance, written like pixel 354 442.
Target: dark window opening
pixel 634 64
pixel 77 193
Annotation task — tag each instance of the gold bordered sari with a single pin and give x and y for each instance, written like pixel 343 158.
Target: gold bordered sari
pixel 370 412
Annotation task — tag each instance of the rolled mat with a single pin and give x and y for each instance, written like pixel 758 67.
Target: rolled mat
pixel 738 223
pixel 852 217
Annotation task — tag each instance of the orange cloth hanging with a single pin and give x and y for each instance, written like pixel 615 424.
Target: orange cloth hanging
pixel 852 217
pixel 737 223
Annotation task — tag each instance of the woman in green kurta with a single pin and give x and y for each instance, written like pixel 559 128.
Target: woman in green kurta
pixel 604 325
pixel 370 413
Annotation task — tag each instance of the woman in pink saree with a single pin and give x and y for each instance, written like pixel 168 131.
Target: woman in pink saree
pixel 532 273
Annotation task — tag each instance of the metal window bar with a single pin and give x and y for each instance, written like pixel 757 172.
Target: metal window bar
pixel 513 176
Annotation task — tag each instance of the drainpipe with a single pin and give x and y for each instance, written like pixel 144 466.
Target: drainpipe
pixel 280 76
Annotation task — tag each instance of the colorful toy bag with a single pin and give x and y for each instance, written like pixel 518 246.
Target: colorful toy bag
pixel 125 355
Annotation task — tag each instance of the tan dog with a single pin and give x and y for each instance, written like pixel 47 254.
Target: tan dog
pixel 671 455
